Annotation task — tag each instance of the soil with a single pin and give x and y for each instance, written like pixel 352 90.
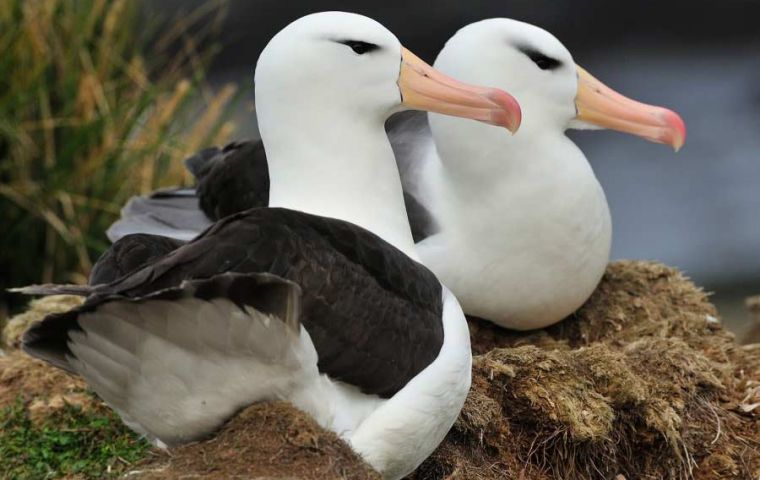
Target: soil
pixel 265 441
pixel 643 382
pixel 41 387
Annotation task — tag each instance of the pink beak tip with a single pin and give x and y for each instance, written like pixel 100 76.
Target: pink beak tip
pixel 677 127
pixel 511 117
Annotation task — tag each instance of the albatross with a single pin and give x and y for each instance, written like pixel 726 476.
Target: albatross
pixel 517 226
pixel 317 300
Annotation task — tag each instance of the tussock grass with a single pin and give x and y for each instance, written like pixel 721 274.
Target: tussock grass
pixel 94 107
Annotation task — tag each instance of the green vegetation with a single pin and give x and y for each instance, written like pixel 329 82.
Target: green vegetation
pixel 92 444
pixel 95 106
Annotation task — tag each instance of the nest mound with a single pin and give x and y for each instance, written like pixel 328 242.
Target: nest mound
pixel 38 309
pixel 265 441
pixel 642 382
pixel 43 389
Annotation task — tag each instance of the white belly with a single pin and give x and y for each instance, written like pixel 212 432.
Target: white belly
pixel 528 257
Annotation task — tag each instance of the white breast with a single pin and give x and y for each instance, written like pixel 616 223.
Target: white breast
pixel 527 244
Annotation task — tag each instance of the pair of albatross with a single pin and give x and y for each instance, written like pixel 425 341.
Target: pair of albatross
pixel 517 227
pixel 317 300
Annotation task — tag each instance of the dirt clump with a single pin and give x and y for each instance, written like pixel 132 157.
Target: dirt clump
pixel 268 440
pixel 42 388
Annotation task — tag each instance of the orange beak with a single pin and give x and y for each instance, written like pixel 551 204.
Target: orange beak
pixel 425 88
pixel 599 105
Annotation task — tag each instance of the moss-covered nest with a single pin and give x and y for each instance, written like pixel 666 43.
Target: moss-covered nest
pixel 642 382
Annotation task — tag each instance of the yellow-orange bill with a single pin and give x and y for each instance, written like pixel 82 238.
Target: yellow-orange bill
pixel 425 88
pixel 599 105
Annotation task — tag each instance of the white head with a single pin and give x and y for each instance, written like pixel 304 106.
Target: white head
pixel 330 63
pixel 527 59
pixel 554 93
pixel 350 65
pixel 325 85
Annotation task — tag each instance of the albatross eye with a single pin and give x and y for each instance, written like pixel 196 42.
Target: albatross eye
pixel 542 61
pixel 360 47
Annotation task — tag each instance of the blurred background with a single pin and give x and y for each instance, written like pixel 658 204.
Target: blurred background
pixel 698 210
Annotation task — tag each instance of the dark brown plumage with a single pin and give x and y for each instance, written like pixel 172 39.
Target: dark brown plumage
pixel 130 253
pixel 236 178
pixel 231 179
pixel 373 314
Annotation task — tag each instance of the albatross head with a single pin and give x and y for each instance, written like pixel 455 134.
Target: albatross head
pixel 553 91
pixel 325 85
pixel 350 65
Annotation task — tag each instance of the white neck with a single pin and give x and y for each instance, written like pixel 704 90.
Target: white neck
pixel 335 164
pixel 527 212
pixel 468 149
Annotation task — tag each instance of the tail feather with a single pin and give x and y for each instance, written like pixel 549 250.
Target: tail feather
pixel 110 374
pixel 177 363
pixel 169 213
pixel 229 180
pixel 54 289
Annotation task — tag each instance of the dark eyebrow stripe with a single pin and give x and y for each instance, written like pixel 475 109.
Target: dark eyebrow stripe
pixel 544 62
pixel 359 46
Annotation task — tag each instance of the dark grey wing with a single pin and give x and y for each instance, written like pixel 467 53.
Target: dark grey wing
pixel 373 314
pixel 130 253
pixel 232 179
pixel 409 134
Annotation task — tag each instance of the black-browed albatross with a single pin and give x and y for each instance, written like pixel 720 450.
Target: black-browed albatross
pixel 318 300
pixel 521 229
pixel 517 226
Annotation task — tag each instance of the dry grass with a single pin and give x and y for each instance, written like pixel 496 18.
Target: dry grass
pixel 94 107
pixel 10 336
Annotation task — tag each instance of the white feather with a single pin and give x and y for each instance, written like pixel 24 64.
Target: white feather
pixel 179 369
